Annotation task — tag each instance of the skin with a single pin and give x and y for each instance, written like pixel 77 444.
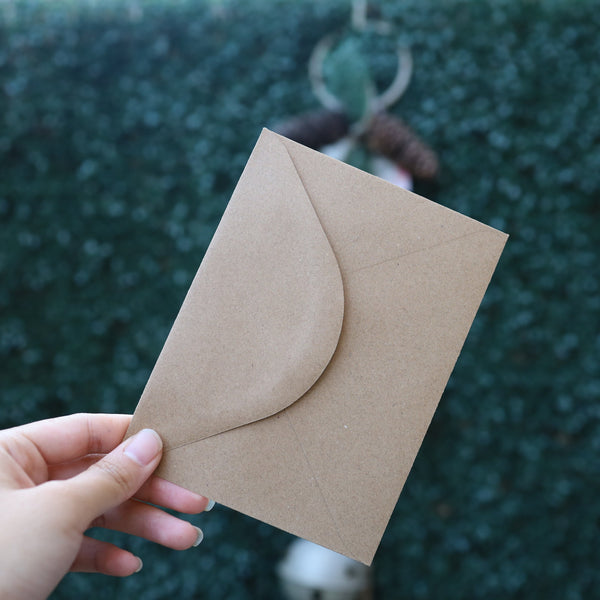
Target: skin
pixel 60 477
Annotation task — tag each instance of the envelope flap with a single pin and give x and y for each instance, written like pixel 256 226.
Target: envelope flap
pixel 263 315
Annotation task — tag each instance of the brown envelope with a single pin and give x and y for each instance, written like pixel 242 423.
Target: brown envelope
pixel 314 344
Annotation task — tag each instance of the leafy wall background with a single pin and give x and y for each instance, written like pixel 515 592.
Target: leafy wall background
pixel 123 129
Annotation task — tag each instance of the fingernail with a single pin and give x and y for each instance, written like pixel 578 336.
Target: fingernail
pixel 209 506
pixel 141 565
pixel 199 538
pixel 144 447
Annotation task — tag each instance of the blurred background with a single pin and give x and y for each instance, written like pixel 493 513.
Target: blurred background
pixel 124 127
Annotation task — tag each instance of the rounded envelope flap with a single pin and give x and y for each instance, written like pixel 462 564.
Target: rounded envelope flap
pixel 263 316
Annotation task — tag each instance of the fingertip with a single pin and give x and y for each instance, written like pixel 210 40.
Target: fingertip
pixel 144 447
pixel 199 537
pixel 160 492
pixel 122 564
pixel 189 536
pixel 141 565
pixel 96 556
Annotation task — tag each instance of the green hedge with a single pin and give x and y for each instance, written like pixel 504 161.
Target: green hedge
pixel 123 129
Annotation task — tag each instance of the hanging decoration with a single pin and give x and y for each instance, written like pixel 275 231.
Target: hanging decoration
pixel 354 125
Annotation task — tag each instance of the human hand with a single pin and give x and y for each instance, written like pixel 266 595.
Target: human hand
pixel 62 476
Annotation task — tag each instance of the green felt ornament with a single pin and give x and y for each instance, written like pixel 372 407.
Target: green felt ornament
pixel 346 74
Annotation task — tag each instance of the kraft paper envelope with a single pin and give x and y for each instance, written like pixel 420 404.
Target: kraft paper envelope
pixel 313 346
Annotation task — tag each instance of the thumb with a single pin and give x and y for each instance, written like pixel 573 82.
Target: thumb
pixel 117 476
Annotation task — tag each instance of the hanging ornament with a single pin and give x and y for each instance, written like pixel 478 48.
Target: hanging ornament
pixel 391 137
pixel 316 129
pixel 354 125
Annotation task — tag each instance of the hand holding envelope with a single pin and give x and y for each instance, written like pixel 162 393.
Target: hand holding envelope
pixel 313 346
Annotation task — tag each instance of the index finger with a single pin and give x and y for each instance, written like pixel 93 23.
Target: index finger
pixel 66 438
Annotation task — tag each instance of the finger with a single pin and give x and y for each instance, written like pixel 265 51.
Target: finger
pixel 71 437
pixel 101 557
pixel 156 490
pixel 164 493
pixel 114 478
pixel 74 467
pixel 151 523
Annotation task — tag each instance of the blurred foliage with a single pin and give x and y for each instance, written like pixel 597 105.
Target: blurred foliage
pixel 123 129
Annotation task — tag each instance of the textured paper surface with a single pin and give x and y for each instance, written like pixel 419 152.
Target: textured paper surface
pixel 313 346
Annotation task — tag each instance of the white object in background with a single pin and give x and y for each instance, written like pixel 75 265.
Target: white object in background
pixel 390 171
pixel 380 166
pixel 311 572
pixel 340 149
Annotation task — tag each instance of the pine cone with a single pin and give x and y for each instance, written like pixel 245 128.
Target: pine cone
pixel 391 137
pixel 315 129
